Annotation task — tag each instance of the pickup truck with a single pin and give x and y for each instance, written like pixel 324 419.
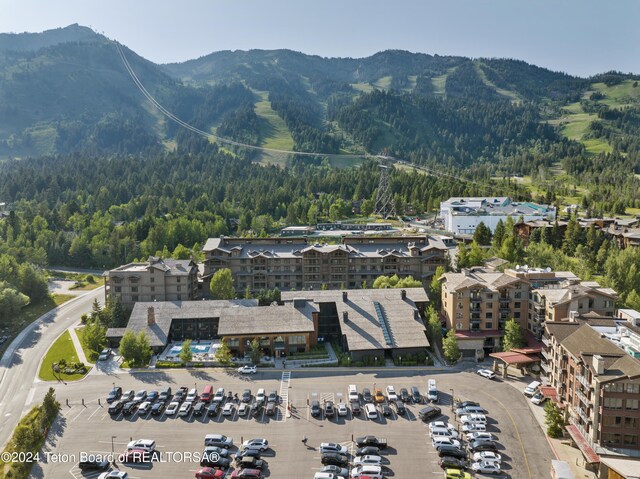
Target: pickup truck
pixel 379 442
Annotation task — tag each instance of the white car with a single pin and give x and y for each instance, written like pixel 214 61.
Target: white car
pixel 259 444
pixel 486 373
pixel 192 395
pixel 342 409
pixel 474 427
pixel 140 396
pixel 114 475
pixel 487 456
pixel 219 396
pixel 185 409
pixel 104 354
pixel 371 411
pixel 445 441
pixel 473 418
pixel 538 398
pixel 144 408
pixel 247 369
pixel 367 461
pixel 227 410
pixel 368 471
pixel 145 444
pixel 486 467
pixel 333 447
pixel 260 395
pixel 441 425
pixel 243 409
pixel 391 393
pixel 480 435
pixel 172 408
pixel 443 432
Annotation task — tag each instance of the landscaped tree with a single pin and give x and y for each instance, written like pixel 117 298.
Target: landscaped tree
pixel 221 285
pixel 181 252
pixel 477 255
pixel 435 287
pixel 11 301
pixel 482 234
pixel 255 353
pixel 450 347
pixel 553 419
pixel 383 282
pixel 513 336
pixel 462 256
pixel 186 355
pixel 50 406
pixel 498 236
pixel 94 337
pixel 223 353
pixel 434 328
pixel 135 349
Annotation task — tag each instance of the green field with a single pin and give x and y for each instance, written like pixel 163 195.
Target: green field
pixel 440 83
pixel 513 96
pixel 273 131
pixel 363 87
pixel 574 125
pixel 383 83
pixel 91 356
pixel 618 96
pixel 62 348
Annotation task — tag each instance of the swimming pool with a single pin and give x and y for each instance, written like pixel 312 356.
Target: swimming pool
pixel 200 348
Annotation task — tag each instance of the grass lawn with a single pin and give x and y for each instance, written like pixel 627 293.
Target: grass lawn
pixel 91 355
pixel 440 82
pixel 383 83
pixel 28 315
pixel 62 348
pixel 84 286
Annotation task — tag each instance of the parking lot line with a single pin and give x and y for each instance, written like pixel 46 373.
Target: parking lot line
pixel 99 408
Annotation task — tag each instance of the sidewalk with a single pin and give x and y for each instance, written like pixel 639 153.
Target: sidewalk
pixel 560 447
pixel 76 342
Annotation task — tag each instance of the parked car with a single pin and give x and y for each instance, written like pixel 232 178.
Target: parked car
pixel 486 467
pixel 480 436
pixel 246 395
pixel 452 451
pixel 473 418
pixel 378 396
pixel 273 397
pixel 353 393
pixel 140 396
pixel 218 440
pixel 391 393
pixel 185 409
pixel 487 456
pixel 441 425
pixel 416 397
pixel 243 409
pixel 192 395
pixel 337 470
pixel 210 473
pixel 315 408
pixel 367 460
pixel 366 471
pixel 329 410
pixel 172 408
pixel 371 411
pixel 463 404
pixel 438 442
pixel 260 444
pixel 114 394
pixel 199 408
pixel 379 442
pixel 368 451
pixel 158 408
pixel 128 396
pixel 400 409
pixel 104 354
pixel 428 413
pixel 181 394
pixel 450 461
pixel 342 409
pixel 247 369
pixel 248 453
pixel 270 410
pixel 221 451
pixel 146 444
pixel 129 408
pixel 214 460
pixel 114 475
pixel 246 474
pixel 538 398
pixel 478 446
pixel 456 474
pixel 333 447
pixel 228 409
pixel 116 407
pixel 260 395
pixel 249 462
pixel 462 411
pixel 144 408
pixel 404 395
pixel 386 410
pixel 474 427
pixel 165 394
pixel 366 395
pixel 135 455
pixel 94 465
pixel 213 409
pixel 486 373
pixel 331 458
pixel 152 396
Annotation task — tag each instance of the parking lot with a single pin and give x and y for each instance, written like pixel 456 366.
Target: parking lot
pixel 90 429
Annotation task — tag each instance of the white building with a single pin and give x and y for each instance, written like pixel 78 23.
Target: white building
pixel 463 215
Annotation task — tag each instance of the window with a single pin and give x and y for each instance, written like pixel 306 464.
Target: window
pixel 153 297
pixel 232 342
pixel 179 297
pixel 118 289
pixel 488 315
pixel 633 388
pixel 134 289
pixel 460 305
pixel 490 296
pixel 516 315
pixel 631 422
pixel 517 295
pixel 178 280
pixel 488 325
pixel 134 298
pixel 179 288
pixel 297 339
pixel 489 305
pixel 518 305
pixel 632 404
pixel 611 439
pixel 614 387
pixel 459 315
pixel 613 403
pixel 630 440
pixel 612 421
pixel 153 280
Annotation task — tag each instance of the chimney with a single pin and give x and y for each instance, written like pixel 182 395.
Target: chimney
pixel 598 364
pixel 345 295
pixel 403 294
pixel 151 316
pixel 345 316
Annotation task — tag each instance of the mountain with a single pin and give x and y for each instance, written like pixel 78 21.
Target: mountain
pixel 68 90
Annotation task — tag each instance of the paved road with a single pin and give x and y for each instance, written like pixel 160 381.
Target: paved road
pixel 21 361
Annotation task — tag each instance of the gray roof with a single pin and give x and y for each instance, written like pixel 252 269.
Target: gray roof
pixel 362 328
pixel 559 295
pixel 492 280
pixel 171 267
pixel 284 319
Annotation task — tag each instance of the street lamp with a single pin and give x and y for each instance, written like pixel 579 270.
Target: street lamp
pixel 112 448
pixel 451 398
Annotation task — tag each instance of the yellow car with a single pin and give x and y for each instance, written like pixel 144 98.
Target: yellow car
pixel 456 474
pixel 378 396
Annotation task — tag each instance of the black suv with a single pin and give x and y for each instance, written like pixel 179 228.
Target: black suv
pixel 450 461
pixel 430 412
pixel 116 407
pixel 198 410
pixel 366 395
pixel 404 395
pixel 477 446
pixel 158 407
pixel 315 408
pixel 93 465
pixel 246 395
pixel 400 409
pixel 213 408
pixel 451 451
pixel 334 459
pixel 114 394
pixel 129 408
pixel 415 395
pixel 355 407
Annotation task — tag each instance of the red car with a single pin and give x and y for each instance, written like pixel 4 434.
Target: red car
pixel 135 455
pixel 246 474
pixel 209 473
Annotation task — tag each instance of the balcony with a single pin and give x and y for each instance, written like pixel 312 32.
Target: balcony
pixel 546 341
pixel 583 380
pixel 546 354
pixel 546 367
pixel 583 415
pixel 475 306
pixel 582 397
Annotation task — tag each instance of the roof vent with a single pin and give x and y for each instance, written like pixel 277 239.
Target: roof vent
pixel 403 294
pixel 345 296
pixel 345 316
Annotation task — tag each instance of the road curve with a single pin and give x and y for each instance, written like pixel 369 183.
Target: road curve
pixel 20 362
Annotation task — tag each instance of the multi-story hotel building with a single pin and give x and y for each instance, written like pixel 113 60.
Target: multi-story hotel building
pixel 299 263
pixel 154 280
pixel 477 302
pixel 597 382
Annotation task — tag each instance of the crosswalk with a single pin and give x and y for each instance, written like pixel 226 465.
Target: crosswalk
pixel 285 381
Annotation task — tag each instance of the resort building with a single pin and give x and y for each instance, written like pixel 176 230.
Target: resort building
pixel 300 264
pixel 462 215
pixel 154 280
pixel 380 323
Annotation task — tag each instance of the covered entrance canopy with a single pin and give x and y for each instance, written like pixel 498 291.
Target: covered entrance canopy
pixel 513 357
pixel 589 454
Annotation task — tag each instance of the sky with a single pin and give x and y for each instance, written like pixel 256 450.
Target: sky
pixel 581 37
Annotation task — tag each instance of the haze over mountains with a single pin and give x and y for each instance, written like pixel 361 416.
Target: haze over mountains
pixel 67 90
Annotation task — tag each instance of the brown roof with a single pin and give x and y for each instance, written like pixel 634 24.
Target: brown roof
pixel 586 340
pixel 560 329
pixel 626 366
pixel 511 357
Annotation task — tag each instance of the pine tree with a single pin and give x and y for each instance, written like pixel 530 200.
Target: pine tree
pixel 513 336
pixel 498 235
pixel 450 347
pixel 482 235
